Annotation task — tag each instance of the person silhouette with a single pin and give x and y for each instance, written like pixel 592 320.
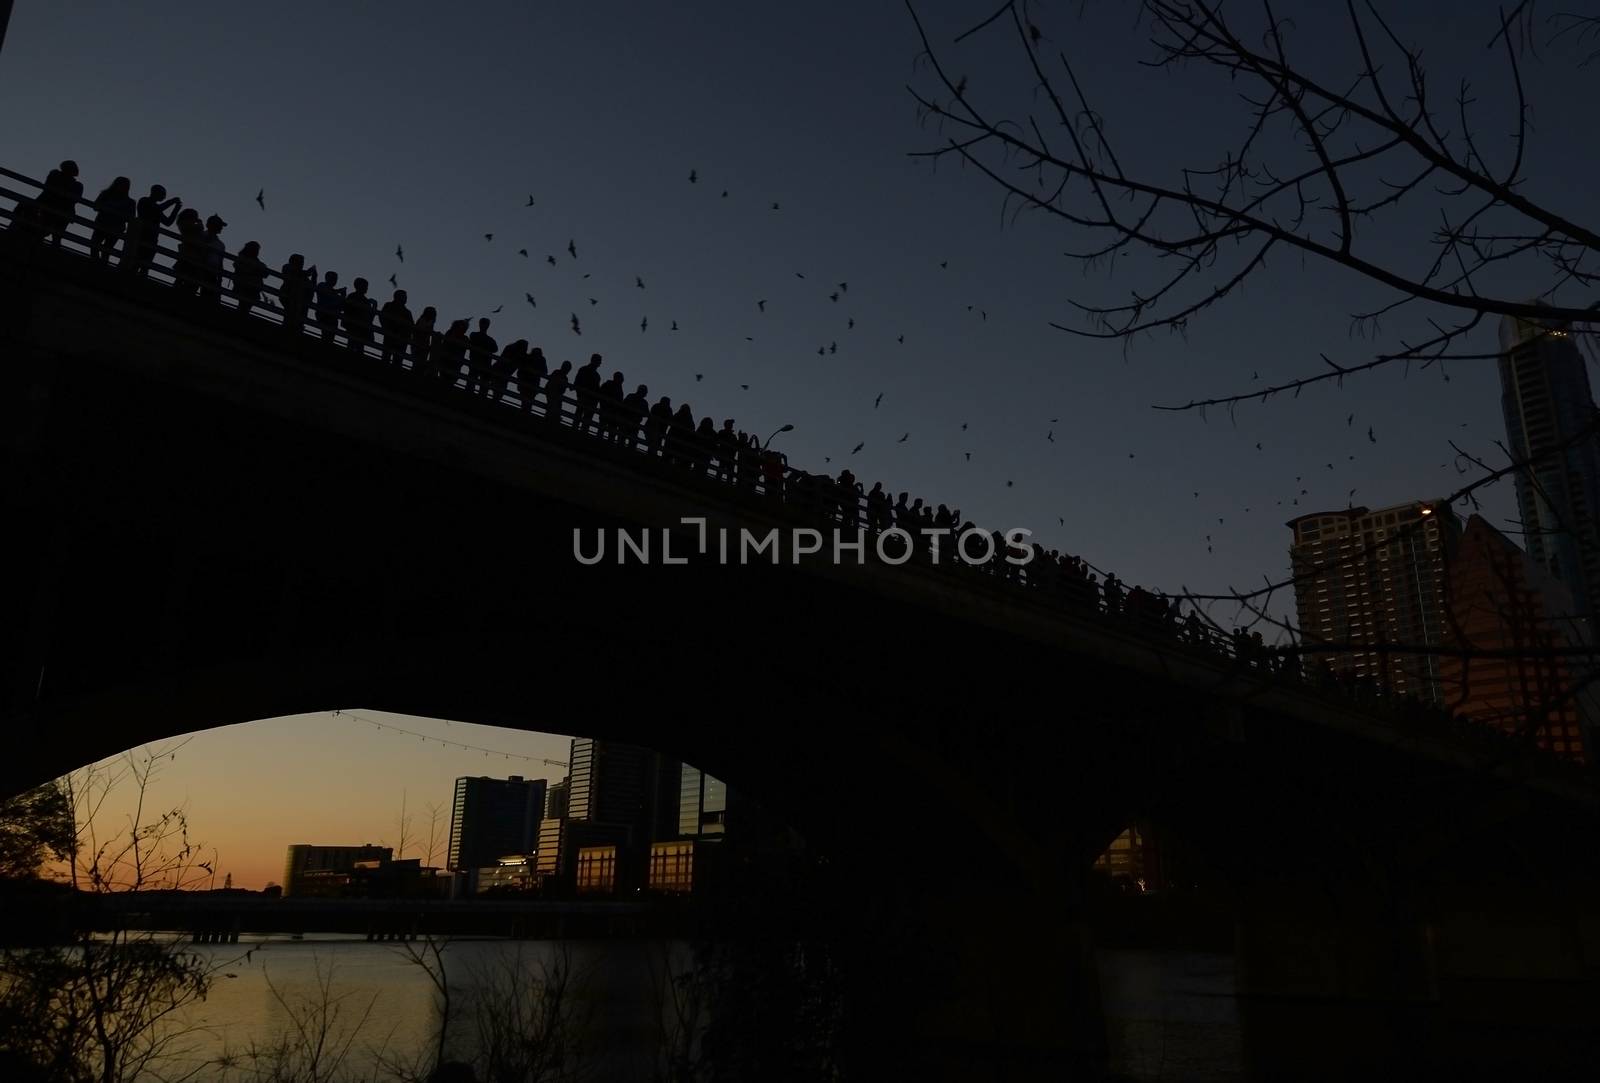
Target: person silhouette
pixel 704 445
pixel 114 209
pixel 295 284
pixel 555 392
pixel 530 376
pixel 848 497
pixel 396 321
pixel 656 426
pixel 727 445
pixel 587 385
pixel 150 214
pixel 423 361
pixel 1191 628
pixel 510 362
pixel 357 316
pixel 481 350
pixel 451 351
pixel 249 275
pixel 611 396
pixel 877 508
pixel 636 408
pixel 680 437
pixel 189 268
pixel 328 303
pixel 915 520
pixel 58 201
pixel 747 471
pixel 1112 590
pixel 213 255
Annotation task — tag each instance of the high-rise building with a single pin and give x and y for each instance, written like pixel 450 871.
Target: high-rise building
pixel 303 858
pixel 1548 406
pixel 610 782
pixel 618 795
pixel 1367 579
pixel 552 845
pixel 1507 621
pixel 493 817
pixel 702 804
pixel 689 861
pixel 555 800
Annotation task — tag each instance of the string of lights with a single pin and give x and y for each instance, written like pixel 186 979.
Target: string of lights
pixel 487 752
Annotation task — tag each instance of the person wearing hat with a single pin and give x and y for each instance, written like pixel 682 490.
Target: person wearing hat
pixel 212 251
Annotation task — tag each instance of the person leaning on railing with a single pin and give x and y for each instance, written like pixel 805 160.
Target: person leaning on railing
pixel 636 408
pixel 508 365
pixel 555 389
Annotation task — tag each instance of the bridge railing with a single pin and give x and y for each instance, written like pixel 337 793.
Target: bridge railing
pixel 439 364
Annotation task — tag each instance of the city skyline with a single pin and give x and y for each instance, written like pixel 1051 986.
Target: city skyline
pixel 358 779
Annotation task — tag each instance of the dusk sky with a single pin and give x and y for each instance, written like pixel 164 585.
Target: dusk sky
pixel 430 125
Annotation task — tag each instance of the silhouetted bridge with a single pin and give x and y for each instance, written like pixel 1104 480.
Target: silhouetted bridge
pixel 216 521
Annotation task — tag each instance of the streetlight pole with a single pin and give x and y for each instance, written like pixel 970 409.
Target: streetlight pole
pixel 786 428
pixel 5 19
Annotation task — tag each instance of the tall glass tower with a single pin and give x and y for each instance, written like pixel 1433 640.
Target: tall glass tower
pixel 1365 579
pixel 1544 392
pixel 493 817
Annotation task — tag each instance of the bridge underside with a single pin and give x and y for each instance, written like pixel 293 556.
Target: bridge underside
pixel 198 545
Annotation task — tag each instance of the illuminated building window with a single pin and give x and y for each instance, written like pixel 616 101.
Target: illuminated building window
pixel 672 867
pixel 597 870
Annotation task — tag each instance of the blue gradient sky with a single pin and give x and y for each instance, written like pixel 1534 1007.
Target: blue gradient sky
pixel 428 125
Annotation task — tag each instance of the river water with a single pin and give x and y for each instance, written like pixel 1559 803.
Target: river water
pixel 1170 1015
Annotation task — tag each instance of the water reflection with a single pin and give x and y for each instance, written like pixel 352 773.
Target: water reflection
pixel 618 988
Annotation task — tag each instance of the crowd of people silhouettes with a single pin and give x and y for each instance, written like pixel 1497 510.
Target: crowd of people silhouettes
pixel 472 361
pixel 130 232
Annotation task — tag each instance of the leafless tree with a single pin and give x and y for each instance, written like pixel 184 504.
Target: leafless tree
pixel 110 1007
pixel 1323 163
pixel 435 839
pixel 402 829
pixel 1342 150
